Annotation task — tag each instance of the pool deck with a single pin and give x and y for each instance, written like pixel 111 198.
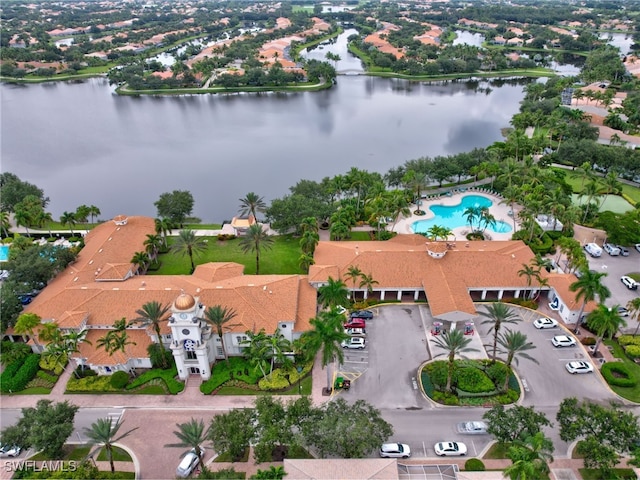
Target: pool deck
pixel 499 210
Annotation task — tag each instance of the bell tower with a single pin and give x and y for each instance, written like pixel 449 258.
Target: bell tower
pixel 191 344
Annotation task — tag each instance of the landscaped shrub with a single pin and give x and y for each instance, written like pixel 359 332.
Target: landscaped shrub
pixel 617 373
pixel 119 380
pixel 472 380
pixel 14 352
pixel 81 372
pixel 474 465
pixel 45 376
pixel 169 377
pixel 293 375
pixel 427 385
pixel 445 398
pixel 90 385
pixel 633 351
pixel 506 398
pixel 219 376
pixel 16 376
pixel 156 352
pixel 625 340
pixel 497 373
pixel 588 341
pixel 274 381
pixel 51 363
pixel 438 372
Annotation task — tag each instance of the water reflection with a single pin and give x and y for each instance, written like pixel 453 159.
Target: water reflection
pixel 468 38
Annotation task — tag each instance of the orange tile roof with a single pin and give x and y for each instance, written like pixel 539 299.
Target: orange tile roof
pixel 95 355
pixel 261 301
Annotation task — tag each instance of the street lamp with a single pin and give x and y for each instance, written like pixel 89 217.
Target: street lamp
pixel 299 368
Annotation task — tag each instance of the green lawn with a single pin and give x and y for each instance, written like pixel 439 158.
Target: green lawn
pixel 119 455
pixel 630 393
pixel 497 451
pixel 576 183
pixel 620 473
pixel 305 388
pixel 281 259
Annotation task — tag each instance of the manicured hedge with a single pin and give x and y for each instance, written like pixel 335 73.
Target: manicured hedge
pixel 474 465
pixel 472 380
pixel 45 376
pixel 96 384
pixel 119 380
pixel 632 351
pixel 219 376
pixel 276 380
pixel 625 340
pixel 609 371
pixel 169 376
pixel 16 376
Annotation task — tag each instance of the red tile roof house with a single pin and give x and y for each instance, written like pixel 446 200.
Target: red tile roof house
pixel 101 287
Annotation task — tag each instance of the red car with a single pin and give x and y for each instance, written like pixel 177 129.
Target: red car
pixel 355 323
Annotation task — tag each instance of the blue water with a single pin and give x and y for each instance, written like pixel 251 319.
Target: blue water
pixel 452 216
pixel 4 253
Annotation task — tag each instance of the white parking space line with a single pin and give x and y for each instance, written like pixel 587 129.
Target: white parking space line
pixel 424 449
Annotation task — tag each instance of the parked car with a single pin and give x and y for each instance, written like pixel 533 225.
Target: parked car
pixel 593 249
pixel 450 449
pixel 579 367
pixel 395 450
pixel 188 464
pixel 366 314
pixel 563 341
pixel 9 450
pixel 341 309
pixel 25 299
pixel 472 428
pixel 4 274
pixel 544 322
pixel 637 247
pixel 623 312
pixel 629 282
pixel 355 323
pixel 357 332
pixel 624 251
pixel 353 343
pixel 611 249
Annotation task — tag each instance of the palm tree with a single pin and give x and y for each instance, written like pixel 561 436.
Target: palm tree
pixel 251 204
pixel 102 432
pixel 327 335
pixel 353 273
pixel 23 219
pixel 309 224
pixel 472 214
pixel 152 314
pixel 531 273
pixel 453 342
pixel 309 241
pixel 152 245
pixel 498 313
pixel 116 339
pixel 5 223
pixel 140 260
pixel 26 323
pixel 93 212
pixel 163 226
pixel 255 240
pixel 191 435
pixel 634 312
pixel 256 350
pixel 514 345
pixel 367 281
pixel 278 347
pixel 187 243
pixel 605 322
pixel 530 458
pixel 587 288
pixel 218 317
pixel 68 218
pixel 305 261
pixel 590 190
pixel 332 294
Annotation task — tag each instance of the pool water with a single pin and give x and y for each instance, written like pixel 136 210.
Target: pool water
pixel 453 216
pixel 4 253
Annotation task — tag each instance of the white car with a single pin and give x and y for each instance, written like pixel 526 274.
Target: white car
pixel 579 367
pixel 9 450
pixel 545 322
pixel 395 450
pixel 637 247
pixel 629 282
pixel 187 465
pixel 357 332
pixel 353 342
pixel 472 428
pixel 563 341
pixel 623 312
pixel 450 449
pixel 4 274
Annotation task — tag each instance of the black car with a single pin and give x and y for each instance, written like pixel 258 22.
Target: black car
pixel 366 314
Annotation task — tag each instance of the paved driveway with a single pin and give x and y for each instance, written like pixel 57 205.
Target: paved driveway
pixel 396 347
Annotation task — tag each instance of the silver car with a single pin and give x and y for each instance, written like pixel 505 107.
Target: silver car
pixel 395 450
pixel 187 465
pixel 472 428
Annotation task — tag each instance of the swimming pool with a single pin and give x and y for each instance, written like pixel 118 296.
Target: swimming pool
pixel 453 216
pixel 4 253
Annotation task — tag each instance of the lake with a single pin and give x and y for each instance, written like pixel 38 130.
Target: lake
pixel 83 144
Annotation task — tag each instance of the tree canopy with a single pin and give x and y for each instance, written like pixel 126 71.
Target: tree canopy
pixel 176 206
